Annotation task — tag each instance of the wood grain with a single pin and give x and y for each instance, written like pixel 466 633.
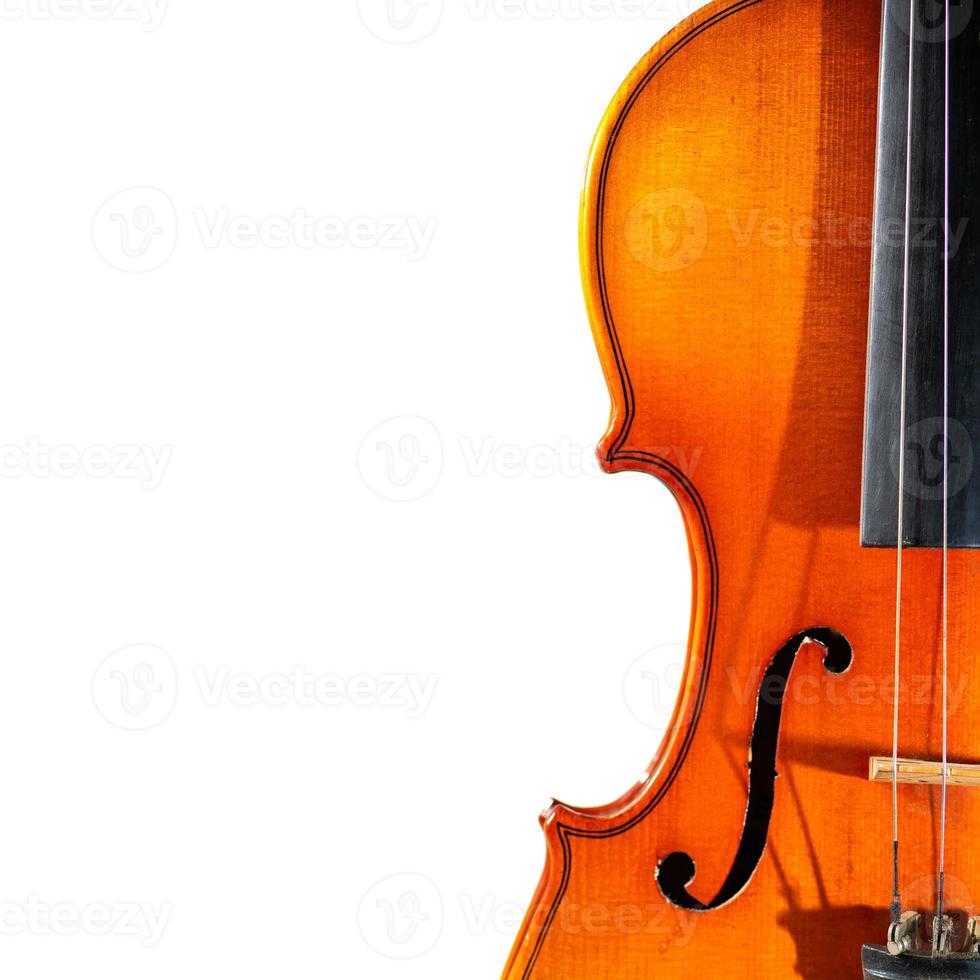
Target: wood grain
pixel 726 251
pixel 881 769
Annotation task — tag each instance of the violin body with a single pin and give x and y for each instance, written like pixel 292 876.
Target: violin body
pixel 726 249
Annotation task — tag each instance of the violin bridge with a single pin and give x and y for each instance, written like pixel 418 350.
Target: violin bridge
pixel 922 772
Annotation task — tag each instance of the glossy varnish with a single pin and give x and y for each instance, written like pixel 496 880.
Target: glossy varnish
pixel 726 241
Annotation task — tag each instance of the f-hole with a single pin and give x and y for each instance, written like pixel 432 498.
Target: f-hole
pixel 676 871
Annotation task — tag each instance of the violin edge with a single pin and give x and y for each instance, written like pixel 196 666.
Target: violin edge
pixel 560 820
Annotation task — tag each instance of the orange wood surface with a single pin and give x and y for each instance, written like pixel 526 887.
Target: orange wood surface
pixel 726 257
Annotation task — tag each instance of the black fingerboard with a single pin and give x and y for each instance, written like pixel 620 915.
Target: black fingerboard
pixel 927 439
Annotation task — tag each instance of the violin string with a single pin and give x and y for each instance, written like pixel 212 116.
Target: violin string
pixel 945 612
pixel 900 537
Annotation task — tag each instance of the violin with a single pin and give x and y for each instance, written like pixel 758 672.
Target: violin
pixel 779 245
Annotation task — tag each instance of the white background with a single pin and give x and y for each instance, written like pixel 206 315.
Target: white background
pixel 203 491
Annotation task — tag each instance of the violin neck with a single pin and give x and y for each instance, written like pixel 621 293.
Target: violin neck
pixel 925 298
